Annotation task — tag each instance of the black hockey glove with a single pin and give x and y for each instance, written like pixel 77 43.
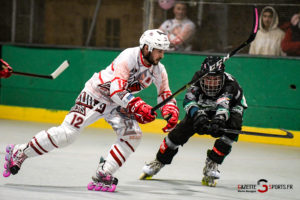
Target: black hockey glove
pixel 200 122
pixel 217 122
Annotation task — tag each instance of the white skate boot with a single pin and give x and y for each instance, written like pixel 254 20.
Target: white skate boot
pixel 13 159
pixel 103 181
pixel 151 169
pixel 211 173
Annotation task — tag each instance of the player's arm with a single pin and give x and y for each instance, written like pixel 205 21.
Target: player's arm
pixel 191 97
pixel 121 96
pixel 169 111
pixel 5 70
pixel 232 93
pixel 192 109
pixel 232 96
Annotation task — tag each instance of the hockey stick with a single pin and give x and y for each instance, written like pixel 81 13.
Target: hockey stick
pixel 52 76
pixel 288 135
pixel 248 41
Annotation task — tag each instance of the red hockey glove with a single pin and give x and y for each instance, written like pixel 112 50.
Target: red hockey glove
pixel 141 111
pixel 5 70
pixel 172 112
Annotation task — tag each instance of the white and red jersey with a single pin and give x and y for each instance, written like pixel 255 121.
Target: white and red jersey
pixel 127 75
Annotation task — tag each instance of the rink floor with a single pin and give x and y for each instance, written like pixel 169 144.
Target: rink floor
pixel 64 173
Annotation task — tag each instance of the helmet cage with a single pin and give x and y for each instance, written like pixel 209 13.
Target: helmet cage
pixel 212 79
pixel 211 84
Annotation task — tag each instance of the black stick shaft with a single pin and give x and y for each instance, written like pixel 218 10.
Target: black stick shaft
pixel 172 96
pixel 288 134
pixel 54 74
pixel 32 75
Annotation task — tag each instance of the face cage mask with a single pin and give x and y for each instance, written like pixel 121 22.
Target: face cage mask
pixel 211 85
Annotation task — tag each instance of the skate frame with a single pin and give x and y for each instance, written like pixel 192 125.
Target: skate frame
pixel 52 76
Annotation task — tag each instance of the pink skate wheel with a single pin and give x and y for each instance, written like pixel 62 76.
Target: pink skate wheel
pixel 104 189
pixel 98 187
pixel 91 186
pixel 112 188
pixel 6 173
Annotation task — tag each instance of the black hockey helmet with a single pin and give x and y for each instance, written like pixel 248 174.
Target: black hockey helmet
pixel 212 79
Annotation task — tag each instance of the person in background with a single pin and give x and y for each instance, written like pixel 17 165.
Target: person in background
pixel 5 69
pixel 291 41
pixel 269 36
pixel 180 30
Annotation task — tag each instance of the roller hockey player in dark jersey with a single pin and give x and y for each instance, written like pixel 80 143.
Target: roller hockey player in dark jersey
pixel 215 102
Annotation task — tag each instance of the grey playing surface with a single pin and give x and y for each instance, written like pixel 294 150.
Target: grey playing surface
pixel 64 173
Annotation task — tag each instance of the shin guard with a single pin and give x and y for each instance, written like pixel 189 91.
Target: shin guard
pixel 167 151
pixel 45 141
pixel 118 154
pixel 221 149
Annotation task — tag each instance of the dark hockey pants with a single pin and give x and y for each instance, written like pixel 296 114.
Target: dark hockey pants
pixel 184 130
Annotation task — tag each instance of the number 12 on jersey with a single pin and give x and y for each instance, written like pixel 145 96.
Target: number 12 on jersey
pixel 76 121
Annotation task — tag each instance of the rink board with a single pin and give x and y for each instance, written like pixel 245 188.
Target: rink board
pixel 272 102
pixel 54 116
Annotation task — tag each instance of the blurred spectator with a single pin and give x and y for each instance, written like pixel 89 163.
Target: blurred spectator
pixel 269 36
pixel 291 41
pixel 180 29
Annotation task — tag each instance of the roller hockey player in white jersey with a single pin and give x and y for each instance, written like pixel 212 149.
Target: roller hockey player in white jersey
pixel 216 101
pixel 109 94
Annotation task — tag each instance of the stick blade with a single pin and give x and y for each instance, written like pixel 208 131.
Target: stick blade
pixel 60 69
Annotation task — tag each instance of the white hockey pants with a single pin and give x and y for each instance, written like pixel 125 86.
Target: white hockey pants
pixel 88 109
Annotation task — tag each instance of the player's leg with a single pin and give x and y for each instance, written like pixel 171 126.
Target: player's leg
pixel 43 142
pixel 129 137
pixel 169 148
pixel 84 112
pixel 222 148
